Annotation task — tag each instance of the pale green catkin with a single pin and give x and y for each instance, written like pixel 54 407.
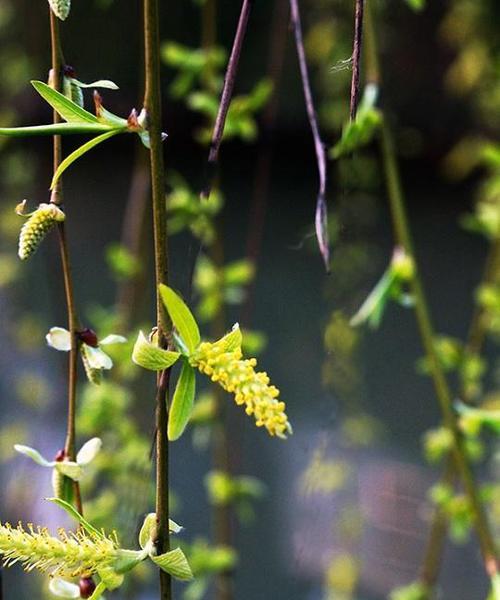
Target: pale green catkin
pixel 93 375
pixel 69 555
pixel 36 228
pixel 60 8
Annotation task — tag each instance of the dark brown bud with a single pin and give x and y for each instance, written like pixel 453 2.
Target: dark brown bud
pixel 89 337
pixel 69 71
pixel 60 456
pixel 87 587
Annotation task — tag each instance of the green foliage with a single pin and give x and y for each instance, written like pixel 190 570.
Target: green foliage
pixel 195 65
pixel 416 5
pixel 185 211
pixel 148 356
pixel 240 120
pixel 412 591
pixel 390 287
pixel 219 286
pixel 182 318
pixel 182 402
pixel 240 492
pixel 123 264
pixel 360 132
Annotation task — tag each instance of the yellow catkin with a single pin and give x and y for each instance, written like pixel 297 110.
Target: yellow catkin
pixel 69 555
pixel 250 388
pixel 36 228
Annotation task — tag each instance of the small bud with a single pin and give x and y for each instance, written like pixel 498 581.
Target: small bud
pixel 60 456
pixel 133 120
pixel 36 227
pixel 87 587
pixel 88 336
pixel 60 8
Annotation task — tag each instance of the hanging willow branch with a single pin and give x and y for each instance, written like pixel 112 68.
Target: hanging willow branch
pixel 321 213
pixel 226 97
pixel 356 57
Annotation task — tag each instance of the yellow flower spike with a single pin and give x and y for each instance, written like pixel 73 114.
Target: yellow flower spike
pixel 69 555
pixel 36 228
pixel 250 388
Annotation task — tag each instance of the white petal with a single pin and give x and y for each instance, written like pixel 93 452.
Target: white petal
pixel 64 589
pixel 112 339
pixel 70 469
pixel 34 455
pixel 59 339
pixel 98 359
pixel 89 451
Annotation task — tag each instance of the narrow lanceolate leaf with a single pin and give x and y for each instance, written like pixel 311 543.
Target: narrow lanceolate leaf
pixel 69 160
pixel 182 403
pixel 231 341
pixel 56 129
pixel 149 356
pixel 69 111
pixel 100 83
pixel 175 563
pixel 60 8
pixel 72 512
pixel 182 317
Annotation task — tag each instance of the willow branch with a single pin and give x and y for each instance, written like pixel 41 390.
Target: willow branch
pixel 356 57
pixel 57 198
pixel 152 104
pixel 226 96
pixel 321 216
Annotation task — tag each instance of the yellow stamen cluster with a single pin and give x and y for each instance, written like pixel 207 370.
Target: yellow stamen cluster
pixel 69 555
pixel 248 386
pixel 37 227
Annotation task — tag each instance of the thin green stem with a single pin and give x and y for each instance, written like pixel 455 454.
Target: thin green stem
pixel 443 393
pixel 152 104
pixel 57 198
pixel 402 233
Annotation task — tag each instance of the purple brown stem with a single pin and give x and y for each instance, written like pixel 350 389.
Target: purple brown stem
pixel 356 57
pixel 226 96
pixel 321 212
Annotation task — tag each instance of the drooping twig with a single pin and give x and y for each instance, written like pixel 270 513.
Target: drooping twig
pixel 152 105
pixel 56 198
pixel 431 562
pixel 356 57
pixel 441 386
pixel 321 211
pixel 226 96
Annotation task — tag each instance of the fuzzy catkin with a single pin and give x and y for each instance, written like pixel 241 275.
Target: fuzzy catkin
pixel 249 387
pixel 69 555
pixel 36 228
pixel 60 8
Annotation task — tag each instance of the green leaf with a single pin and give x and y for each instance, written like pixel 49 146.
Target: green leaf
pixel 488 417
pixel 100 83
pixel 182 403
pixel 55 129
pixel 72 512
pixel 148 529
pixel 175 563
pixel 416 5
pixel 69 160
pixel 181 317
pixel 149 356
pixel 231 341
pixel 128 560
pixel 495 588
pixel 69 111
pixel 99 591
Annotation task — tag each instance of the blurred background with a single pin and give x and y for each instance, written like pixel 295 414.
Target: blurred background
pixel 340 510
